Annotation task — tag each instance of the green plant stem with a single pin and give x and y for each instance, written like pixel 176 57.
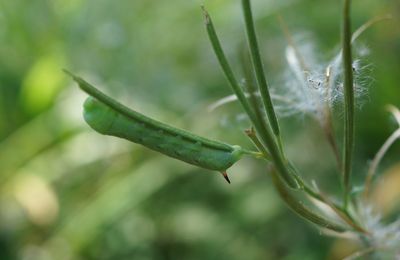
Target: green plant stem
pixel 327 123
pixel 259 68
pixel 326 120
pixel 253 137
pixel 377 159
pixel 348 101
pixel 265 133
pixel 299 208
pixel 367 25
pixel 250 87
pixel 340 211
pixel 256 155
pixel 292 44
pixel 254 102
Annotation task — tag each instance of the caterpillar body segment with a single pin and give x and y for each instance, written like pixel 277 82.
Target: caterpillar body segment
pixel 109 117
pixel 176 144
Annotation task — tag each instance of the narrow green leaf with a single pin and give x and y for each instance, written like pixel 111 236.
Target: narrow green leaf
pixel 265 133
pixel 259 68
pixel 348 101
pixel 299 208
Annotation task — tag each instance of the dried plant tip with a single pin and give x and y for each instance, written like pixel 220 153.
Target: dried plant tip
pixel 289 39
pixel 367 25
pixel 207 18
pixel 395 112
pixel 328 73
pixel 251 133
pixel 382 151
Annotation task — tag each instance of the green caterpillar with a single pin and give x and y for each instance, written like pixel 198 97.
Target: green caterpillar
pixel 109 117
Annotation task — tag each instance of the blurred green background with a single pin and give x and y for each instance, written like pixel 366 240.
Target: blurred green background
pixel 68 193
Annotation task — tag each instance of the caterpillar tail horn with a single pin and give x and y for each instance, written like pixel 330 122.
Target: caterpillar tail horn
pixel 226 177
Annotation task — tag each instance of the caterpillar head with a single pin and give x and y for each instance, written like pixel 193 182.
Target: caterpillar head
pixel 98 116
pixel 237 153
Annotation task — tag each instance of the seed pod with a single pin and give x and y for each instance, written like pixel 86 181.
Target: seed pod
pixel 109 117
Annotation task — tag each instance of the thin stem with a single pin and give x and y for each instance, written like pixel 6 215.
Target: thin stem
pixel 233 98
pixel 219 52
pixel 348 102
pixel 377 159
pixel 249 84
pixel 395 112
pixel 259 68
pixel 327 123
pixel 364 252
pixel 330 68
pixel 256 155
pixel 253 137
pixel 327 127
pixel 340 211
pixel 291 43
pixel 300 208
pixel 367 25
pixel 360 30
pixel 254 101
pixel 265 132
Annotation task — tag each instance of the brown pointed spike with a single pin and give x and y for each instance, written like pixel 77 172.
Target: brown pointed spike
pixel 226 177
